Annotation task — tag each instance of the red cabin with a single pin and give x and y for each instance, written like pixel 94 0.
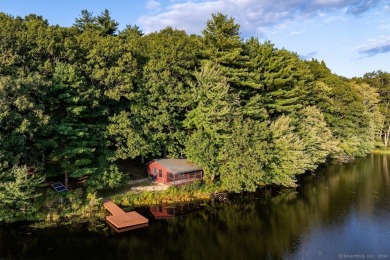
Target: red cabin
pixel 174 171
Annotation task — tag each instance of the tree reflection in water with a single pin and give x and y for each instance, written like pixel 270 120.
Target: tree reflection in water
pixel 342 209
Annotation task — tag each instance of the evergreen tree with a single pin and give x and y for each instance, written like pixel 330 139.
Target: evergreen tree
pixel 78 127
pixel 106 24
pixel 102 23
pixel 86 21
pixel 18 189
pixel 211 120
pixel 223 46
pixel 280 78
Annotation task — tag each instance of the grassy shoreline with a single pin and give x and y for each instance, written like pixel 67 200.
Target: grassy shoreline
pixel 80 206
pixel 381 151
pixel 192 192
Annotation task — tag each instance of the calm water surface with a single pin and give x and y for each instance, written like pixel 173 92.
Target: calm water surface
pixel 342 212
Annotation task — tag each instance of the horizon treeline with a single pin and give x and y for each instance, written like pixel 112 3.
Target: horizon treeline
pixel 75 100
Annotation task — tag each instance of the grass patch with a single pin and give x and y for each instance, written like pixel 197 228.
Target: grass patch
pixel 196 191
pixel 384 150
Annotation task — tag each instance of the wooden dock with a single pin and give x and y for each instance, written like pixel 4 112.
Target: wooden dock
pixel 123 221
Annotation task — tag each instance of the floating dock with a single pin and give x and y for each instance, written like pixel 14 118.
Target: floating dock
pixel 123 221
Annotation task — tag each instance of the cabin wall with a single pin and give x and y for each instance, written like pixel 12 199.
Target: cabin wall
pixel 157 172
pixel 161 175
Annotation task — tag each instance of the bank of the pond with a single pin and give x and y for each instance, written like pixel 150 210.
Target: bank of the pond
pixel 383 150
pixel 80 207
pixel 196 191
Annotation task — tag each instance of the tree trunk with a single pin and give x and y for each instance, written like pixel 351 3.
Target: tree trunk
pixel 386 136
pixel 43 163
pixel 66 181
pixel 142 159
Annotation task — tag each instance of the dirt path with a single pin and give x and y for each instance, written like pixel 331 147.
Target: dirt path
pixel 152 187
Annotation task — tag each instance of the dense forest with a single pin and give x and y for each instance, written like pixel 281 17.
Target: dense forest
pixel 75 100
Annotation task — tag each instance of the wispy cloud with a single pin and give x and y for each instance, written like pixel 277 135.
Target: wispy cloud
pixel 296 33
pixel 252 15
pixel 152 4
pixel 362 6
pixel 375 46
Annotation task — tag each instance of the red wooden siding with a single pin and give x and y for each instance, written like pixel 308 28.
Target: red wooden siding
pixel 163 175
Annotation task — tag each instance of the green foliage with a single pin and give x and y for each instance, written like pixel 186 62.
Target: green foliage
pixel 102 23
pixel 18 189
pixel 286 153
pixel 23 120
pixel 109 177
pixel 344 110
pixel 74 100
pixel 211 120
pixel 381 82
pixel 223 46
pixel 244 155
pixel 77 142
pixel 372 116
pixel 317 137
pixel 280 77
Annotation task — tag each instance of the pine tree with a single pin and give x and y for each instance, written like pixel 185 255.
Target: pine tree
pixel 223 46
pixel 18 189
pixel 280 78
pixel 211 120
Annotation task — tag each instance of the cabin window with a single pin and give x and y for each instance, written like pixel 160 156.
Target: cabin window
pixel 154 171
pixel 160 173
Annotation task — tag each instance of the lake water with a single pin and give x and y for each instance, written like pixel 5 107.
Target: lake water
pixel 342 212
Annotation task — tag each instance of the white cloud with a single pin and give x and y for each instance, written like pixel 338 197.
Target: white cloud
pixel 296 33
pixel 152 4
pixel 252 15
pixel 186 16
pixel 375 46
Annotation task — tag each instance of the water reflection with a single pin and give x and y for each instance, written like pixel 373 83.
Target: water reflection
pixel 167 211
pixel 343 209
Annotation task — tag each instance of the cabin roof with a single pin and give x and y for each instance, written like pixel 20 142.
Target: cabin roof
pixel 178 165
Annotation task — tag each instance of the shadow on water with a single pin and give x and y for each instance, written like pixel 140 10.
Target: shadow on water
pixel 342 209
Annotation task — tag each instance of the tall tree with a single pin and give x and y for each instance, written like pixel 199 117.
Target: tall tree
pixel 18 189
pixel 78 127
pixel 243 156
pixel 164 95
pixel 372 117
pixel 319 143
pixel 286 154
pixel 23 121
pixel 381 81
pixel 223 45
pixel 107 25
pixel 281 78
pixel 102 23
pixel 211 120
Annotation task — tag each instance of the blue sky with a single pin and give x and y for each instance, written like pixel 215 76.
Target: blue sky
pixel 351 36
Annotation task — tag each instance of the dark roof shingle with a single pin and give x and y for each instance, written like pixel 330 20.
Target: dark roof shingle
pixel 178 165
